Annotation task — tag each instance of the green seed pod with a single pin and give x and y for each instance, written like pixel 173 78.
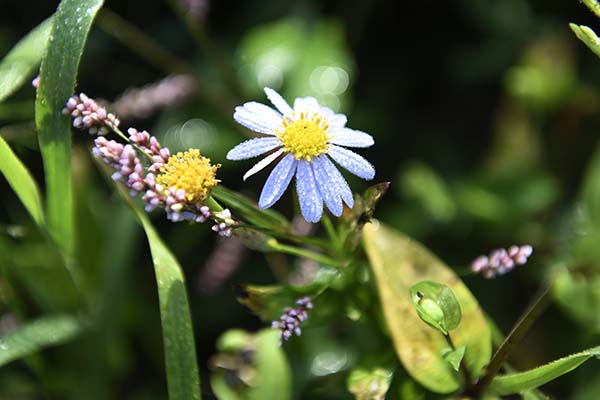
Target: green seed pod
pixel 436 305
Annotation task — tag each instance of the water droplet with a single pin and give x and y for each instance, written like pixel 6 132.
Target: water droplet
pixel 3 346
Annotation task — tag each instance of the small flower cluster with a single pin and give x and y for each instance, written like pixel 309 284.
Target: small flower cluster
pixel 501 261
pixel 123 159
pixel 195 9
pixel 142 102
pixel 179 183
pixel 88 114
pixel 289 322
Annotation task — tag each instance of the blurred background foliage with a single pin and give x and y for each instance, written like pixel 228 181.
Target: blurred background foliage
pixel 485 118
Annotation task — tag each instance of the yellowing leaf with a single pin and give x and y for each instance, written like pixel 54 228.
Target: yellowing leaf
pixel 399 262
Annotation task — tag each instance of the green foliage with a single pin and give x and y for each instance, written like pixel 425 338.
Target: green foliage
pixel 370 382
pixel 521 381
pixel 436 305
pixel 70 27
pixel 34 336
pixel 180 351
pixel 399 263
pixel 250 367
pixel 20 63
pixel 22 182
pixel 587 36
pixel 454 356
pixel 304 58
pixel 593 5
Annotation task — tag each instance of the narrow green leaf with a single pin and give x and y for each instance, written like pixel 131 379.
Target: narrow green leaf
pixel 58 72
pixel 593 5
pixel 250 367
pixel 521 381
pixel 399 262
pixel 21 181
pixel 273 371
pixel 454 357
pixel 20 63
pixel 587 36
pixel 249 211
pixel 34 336
pixel 183 379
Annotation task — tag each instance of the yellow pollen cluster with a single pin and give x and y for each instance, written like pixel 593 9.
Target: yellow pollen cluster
pixel 191 172
pixel 305 137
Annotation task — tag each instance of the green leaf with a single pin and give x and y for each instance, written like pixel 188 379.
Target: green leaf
pixel 183 379
pixel 593 5
pixel 273 372
pixel 436 305
pixel 21 181
pixel 369 383
pixel 250 212
pixel 454 357
pixel 587 36
pixel 20 63
pixel 520 381
pixel 250 367
pixel 58 72
pixel 34 336
pixel 398 262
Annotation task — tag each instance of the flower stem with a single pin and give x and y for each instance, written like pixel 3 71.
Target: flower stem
pixel 297 251
pixel 154 53
pixel 205 43
pixel 521 327
pixel 330 230
pixel 463 366
pixel 143 45
pixel 126 138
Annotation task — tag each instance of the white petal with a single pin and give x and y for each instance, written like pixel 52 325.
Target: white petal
pixel 351 138
pixel 311 203
pixel 340 181
pixel 258 117
pixel 327 186
pixel 253 148
pixel 352 162
pixel 277 182
pixel 336 121
pixel 278 101
pixel 259 166
pixel 306 104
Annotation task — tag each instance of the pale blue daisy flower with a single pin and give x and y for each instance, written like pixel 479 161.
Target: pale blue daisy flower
pixel 306 138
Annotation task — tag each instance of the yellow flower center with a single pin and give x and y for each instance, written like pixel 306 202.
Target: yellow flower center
pixel 191 172
pixel 305 137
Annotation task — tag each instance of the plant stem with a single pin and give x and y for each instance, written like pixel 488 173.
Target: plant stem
pixel 138 148
pixel 521 327
pixel 205 43
pixel 463 366
pixel 154 53
pixel 331 232
pixel 140 43
pixel 297 251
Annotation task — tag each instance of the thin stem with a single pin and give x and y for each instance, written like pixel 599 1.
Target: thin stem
pixel 521 327
pixel 205 43
pixel 154 53
pixel 331 232
pixel 307 240
pixel 297 251
pixel 463 366
pixel 140 43
pixel 128 140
